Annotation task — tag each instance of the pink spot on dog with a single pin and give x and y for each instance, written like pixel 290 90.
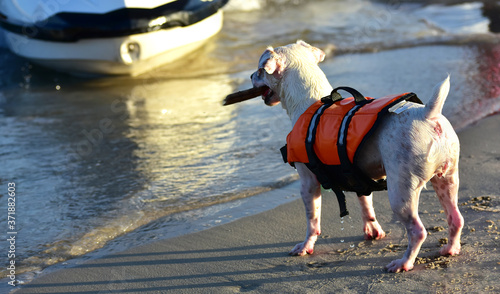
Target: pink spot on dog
pixel 438 129
pixel 444 169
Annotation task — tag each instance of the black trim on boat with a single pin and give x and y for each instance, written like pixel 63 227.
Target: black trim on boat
pixel 71 26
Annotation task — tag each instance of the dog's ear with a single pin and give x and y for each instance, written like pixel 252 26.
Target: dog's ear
pixel 318 53
pixel 271 62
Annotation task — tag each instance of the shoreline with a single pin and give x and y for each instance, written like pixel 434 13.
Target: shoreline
pixel 201 219
pixel 250 253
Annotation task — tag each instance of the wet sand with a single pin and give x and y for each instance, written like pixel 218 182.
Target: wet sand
pixel 250 254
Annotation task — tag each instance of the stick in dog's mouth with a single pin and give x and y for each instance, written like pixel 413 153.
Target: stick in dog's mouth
pixel 240 96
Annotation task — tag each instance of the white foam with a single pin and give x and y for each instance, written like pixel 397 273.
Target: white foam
pixel 456 19
pixel 244 5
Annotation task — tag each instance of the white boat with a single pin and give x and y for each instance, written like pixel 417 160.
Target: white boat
pixel 110 37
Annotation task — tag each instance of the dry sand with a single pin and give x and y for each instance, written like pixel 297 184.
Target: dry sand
pixel 250 254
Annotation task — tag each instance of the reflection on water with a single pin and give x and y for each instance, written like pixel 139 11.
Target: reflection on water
pixel 488 67
pixel 480 91
pixel 99 161
pixel 177 143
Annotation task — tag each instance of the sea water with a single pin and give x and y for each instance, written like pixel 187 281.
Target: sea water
pixel 107 163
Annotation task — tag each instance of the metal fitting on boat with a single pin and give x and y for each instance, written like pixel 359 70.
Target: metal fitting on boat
pixel 130 52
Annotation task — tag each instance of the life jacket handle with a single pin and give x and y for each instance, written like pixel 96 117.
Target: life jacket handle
pixel 335 96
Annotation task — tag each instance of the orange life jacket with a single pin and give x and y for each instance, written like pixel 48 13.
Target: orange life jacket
pixel 327 136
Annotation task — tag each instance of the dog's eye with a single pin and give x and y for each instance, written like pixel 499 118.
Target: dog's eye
pixel 259 72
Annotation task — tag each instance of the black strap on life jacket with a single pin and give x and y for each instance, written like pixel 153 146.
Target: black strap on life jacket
pixel 349 178
pixel 357 181
pixel 316 166
pixel 335 96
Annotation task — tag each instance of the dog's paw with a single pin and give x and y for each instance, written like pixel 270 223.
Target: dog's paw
pixel 302 249
pixel 450 250
pixel 399 265
pixel 373 231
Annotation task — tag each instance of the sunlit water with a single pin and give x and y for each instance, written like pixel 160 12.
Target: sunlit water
pixel 124 160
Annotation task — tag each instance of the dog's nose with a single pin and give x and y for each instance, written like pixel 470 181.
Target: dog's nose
pixel 251 76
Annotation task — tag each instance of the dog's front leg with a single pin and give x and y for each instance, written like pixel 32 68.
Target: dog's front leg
pixel 311 196
pixel 371 227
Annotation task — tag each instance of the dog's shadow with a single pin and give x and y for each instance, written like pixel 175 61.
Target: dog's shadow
pixel 245 267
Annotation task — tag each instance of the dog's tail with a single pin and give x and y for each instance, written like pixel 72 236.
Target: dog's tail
pixel 434 107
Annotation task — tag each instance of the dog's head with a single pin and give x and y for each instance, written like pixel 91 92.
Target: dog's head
pixel 297 62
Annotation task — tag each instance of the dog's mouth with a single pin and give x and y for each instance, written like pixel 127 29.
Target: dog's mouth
pixel 267 96
pixel 268 93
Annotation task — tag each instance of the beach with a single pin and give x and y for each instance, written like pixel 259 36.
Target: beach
pixel 250 254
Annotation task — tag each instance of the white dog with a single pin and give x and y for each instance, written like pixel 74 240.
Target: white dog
pixel 408 149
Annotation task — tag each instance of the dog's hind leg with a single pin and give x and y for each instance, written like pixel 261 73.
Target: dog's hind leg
pixel 446 187
pixel 404 197
pixel 311 196
pixel 371 227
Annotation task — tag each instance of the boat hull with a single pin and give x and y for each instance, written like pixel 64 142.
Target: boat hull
pixel 127 55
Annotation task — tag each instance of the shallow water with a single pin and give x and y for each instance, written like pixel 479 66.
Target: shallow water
pixel 96 159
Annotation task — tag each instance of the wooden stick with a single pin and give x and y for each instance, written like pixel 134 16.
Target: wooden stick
pixel 244 95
